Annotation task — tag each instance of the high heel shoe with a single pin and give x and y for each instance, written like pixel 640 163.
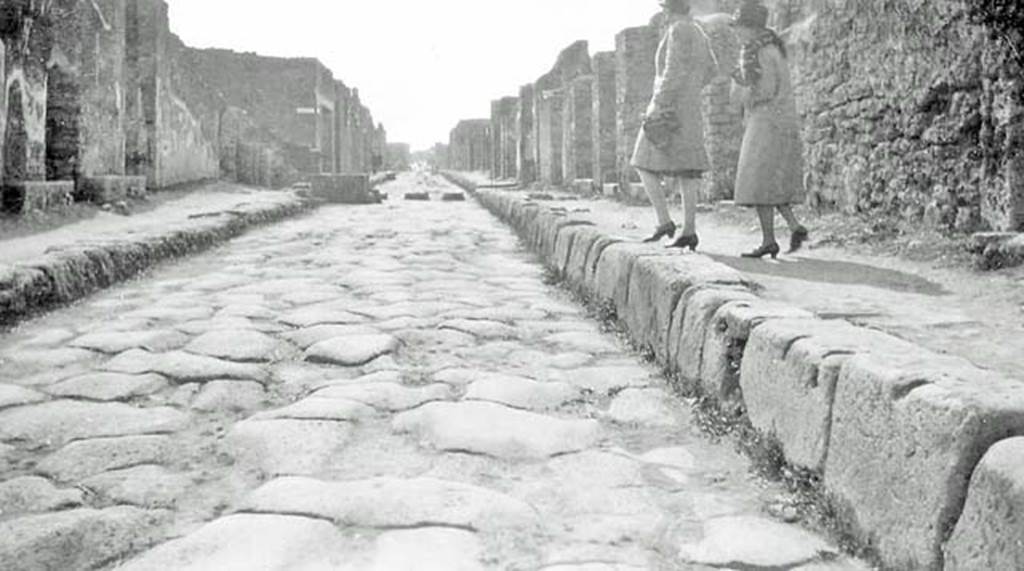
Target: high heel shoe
pixel 665 230
pixel 797 239
pixel 690 241
pixel 765 250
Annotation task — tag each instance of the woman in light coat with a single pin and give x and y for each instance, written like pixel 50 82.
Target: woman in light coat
pixel 770 173
pixel 670 147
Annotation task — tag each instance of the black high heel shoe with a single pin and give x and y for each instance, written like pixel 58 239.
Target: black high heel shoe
pixel 765 250
pixel 797 239
pixel 664 231
pixel 690 241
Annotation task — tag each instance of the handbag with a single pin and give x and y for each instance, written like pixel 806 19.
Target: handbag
pixel 660 128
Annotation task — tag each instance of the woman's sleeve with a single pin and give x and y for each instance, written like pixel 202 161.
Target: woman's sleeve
pixel 767 88
pixel 678 65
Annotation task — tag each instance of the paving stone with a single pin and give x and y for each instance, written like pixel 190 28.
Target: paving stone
pixel 50 337
pixel 582 341
pixel 119 341
pixel 75 539
pixel 230 396
pixel 108 386
pixel 55 423
pixel 314 296
pixel 533 359
pixel 496 430
pixel 435 340
pixel 316 408
pixel 309 336
pixel 147 486
pixel 421 309
pixel 461 377
pixel 12 395
pixel 352 351
pixel 288 447
pixel 250 310
pixel 251 543
pixel 221 324
pixel 239 345
pixel 310 316
pixel 389 502
pixel 21 363
pixel 183 367
pixel 7 453
pixel 481 328
pixel 678 458
pixel 605 380
pixel 989 531
pixel 765 544
pixel 34 494
pixel 171 314
pixel 85 458
pixel 386 396
pixel 592 482
pixel 646 407
pixel 429 549
pixel 520 392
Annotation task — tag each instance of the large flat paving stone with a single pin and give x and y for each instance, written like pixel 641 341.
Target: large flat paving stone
pixel 85 458
pixel 183 367
pixel 428 549
pixel 520 392
pixel 114 342
pixel 108 386
pixel 249 542
pixel 646 407
pixel 288 447
pixel 309 336
pixel 990 532
pixel 13 395
pixel 312 315
pixel 30 494
pixel 496 430
pixel 229 396
pixel 386 395
pixel 393 503
pixel 352 351
pixel 147 486
pixel 481 328
pixel 75 539
pixel 594 343
pixel 764 545
pixel 55 423
pixel 238 345
pixel 315 408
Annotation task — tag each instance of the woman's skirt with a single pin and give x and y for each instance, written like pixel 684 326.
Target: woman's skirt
pixel 770 171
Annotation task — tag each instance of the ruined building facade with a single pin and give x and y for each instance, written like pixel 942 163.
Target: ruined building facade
pixel 100 100
pixel 910 112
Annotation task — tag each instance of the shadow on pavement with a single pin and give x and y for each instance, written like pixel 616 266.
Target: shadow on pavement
pixel 826 271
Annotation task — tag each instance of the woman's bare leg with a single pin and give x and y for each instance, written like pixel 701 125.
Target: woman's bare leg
pixel 689 188
pixel 655 191
pixel 766 214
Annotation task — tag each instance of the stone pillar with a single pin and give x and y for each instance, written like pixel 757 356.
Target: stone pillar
pixel 525 156
pixel 3 108
pixel 603 123
pixel 146 62
pixel 634 81
pixel 578 133
pixel 495 158
pixel 550 136
pixel 509 137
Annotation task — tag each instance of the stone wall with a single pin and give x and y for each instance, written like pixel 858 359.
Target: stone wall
pixel 910 112
pixel 469 146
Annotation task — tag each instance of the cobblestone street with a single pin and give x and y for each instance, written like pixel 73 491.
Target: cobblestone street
pixel 389 387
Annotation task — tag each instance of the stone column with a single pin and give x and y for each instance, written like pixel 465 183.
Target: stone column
pixel 509 137
pixel 603 123
pixel 550 136
pixel 634 81
pixel 578 133
pixel 495 157
pixel 526 164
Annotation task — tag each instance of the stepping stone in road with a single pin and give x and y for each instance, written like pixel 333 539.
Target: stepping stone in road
pixel 58 422
pixel 238 345
pixel 75 539
pixel 32 494
pixel 108 386
pixel 766 544
pixel 496 430
pixel 393 503
pixel 119 341
pixel 86 458
pixel 12 395
pixel 352 351
pixel 288 447
pixel 518 392
pixel 417 196
pixel 148 486
pixel 251 541
pixel 386 396
pixel 453 197
pixel 183 367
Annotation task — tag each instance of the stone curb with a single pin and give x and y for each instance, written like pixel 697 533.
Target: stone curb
pixel 895 431
pixel 68 274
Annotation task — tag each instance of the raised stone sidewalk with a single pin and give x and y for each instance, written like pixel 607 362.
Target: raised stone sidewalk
pixel 895 431
pixel 63 265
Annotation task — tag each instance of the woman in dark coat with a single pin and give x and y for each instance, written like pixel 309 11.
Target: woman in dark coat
pixel 670 146
pixel 770 173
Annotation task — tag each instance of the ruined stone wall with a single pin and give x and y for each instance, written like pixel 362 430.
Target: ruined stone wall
pixel 603 114
pixel 910 111
pixel 504 138
pixel 526 160
pixel 577 129
pixel 469 146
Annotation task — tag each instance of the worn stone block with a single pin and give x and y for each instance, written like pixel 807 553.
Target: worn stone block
pixel 22 197
pixel 655 285
pixel 104 189
pixel 691 321
pixel 576 263
pixel 611 277
pixel 789 374
pixel 727 336
pixel 913 426
pixel 565 243
pixel 990 533
pixel 594 256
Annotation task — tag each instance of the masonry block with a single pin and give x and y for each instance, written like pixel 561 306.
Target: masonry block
pixel 789 374
pixel 907 433
pixel 565 244
pixel 104 189
pixel 590 270
pixel 550 135
pixel 577 129
pixel 576 264
pixel 23 197
pixel 990 533
pixel 690 324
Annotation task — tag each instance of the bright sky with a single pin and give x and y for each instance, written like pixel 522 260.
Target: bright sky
pixel 420 65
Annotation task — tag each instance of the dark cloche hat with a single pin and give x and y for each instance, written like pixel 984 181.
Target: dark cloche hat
pixel 751 14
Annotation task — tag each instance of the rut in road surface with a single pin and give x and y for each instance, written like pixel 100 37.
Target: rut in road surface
pixel 386 387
